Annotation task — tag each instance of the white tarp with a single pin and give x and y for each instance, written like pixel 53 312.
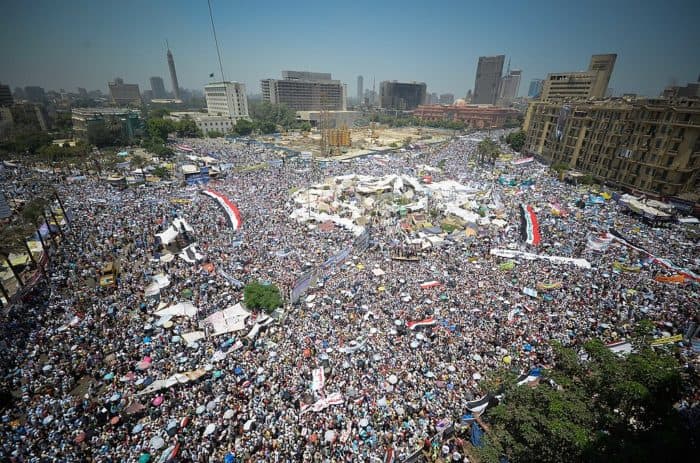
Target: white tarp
pixel 510 254
pixel 192 337
pixel 191 254
pixel 227 320
pixel 181 309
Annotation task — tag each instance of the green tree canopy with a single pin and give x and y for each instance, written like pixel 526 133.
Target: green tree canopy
pixel 160 128
pixel 262 297
pixel 605 408
pixel 516 140
pixel 187 127
pixel 243 127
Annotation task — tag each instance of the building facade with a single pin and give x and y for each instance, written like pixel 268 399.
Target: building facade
pixel 124 94
pixel 474 116
pixel 648 146
pixel 535 89
pixel 227 99
pixel 510 85
pixel 97 125
pixel 205 122
pixel 158 88
pixel 446 98
pixel 402 95
pixel 173 75
pixel 5 96
pixel 305 91
pixel 34 94
pixel 360 90
pixel 592 83
pixel 488 79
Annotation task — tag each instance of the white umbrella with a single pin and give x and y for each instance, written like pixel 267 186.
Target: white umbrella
pixel 476 376
pixel 329 436
pixel 156 443
pixel 228 414
pixel 211 427
pixel 47 367
pixel 47 420
pixel 393 379
pixel 364 422
pixel 200 409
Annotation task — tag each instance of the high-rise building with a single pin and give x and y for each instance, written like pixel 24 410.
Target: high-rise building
pixel 535 89
pixel 34 94
pixel 227 99
pixel 158 87
pixel 99 125
pixel 488 79
pixel 592 83
pixel 402 95
pixel 173 75
pixel 305 91
pixel 648 145
pixel 82 93
pixel 602 66
pixel 432 98
pixel 5 96
pixel 510 84
pixel 124 94
pixel 360 89
pixel 446 98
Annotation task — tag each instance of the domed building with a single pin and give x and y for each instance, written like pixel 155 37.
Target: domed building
pixel 460 102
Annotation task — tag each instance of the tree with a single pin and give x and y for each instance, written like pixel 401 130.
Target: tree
pixel 243 127
pixel 266 127
pixel 606 408
pixel 139 162
pixel 187 127
pixel 160 128
pixel 516 140
pixel 161 172
pixel 259 296
pixel 487 150
pixel 10 241
pixel 214 134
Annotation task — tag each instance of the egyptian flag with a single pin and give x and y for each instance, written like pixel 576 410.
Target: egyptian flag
pixel 426 322
pixel 529 228
pixel 230 210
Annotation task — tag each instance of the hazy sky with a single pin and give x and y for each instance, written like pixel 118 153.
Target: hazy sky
pixel 72 43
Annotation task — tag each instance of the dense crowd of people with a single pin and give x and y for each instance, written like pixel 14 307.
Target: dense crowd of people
pixel 77 355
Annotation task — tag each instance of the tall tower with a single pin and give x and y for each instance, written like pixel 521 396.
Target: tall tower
pixel 488 79
pixel 173 74
pixel 360 90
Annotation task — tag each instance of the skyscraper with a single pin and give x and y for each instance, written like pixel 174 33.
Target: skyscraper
pixel 173 75
pixel 488 79
pixel 34 94
pixel 360 90
pixel 158 88
pixel 535 89
pixel 510 84
pixel 227 99
pixel 5 96
pixel 124 94
pixel 602 66
pixel 402 95
pixel 305 91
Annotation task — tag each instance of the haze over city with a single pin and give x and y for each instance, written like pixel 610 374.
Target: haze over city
pixel 88 43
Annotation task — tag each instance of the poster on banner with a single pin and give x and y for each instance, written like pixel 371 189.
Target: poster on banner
pixel 667 340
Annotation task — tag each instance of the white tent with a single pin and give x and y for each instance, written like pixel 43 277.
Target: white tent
pixel 227 320
pixel 182 309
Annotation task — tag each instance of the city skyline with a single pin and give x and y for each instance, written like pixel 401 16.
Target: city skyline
pixel 540 38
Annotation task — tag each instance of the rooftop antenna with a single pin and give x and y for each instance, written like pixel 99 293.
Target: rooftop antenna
pixel 374 91
pixel 216 41
pixel 508 71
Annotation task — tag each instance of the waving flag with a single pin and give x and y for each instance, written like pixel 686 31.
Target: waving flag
pixel 529 228
pixel 428 322
pixel 230 210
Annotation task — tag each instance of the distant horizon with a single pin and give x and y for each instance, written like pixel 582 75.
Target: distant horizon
pixel 438 44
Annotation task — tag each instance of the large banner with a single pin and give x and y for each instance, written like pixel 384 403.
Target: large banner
pixel 529 227
pixel 302 284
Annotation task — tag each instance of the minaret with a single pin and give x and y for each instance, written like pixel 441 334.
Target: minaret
pixel 173 74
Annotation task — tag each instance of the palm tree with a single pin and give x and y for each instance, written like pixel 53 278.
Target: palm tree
pixel 140 162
